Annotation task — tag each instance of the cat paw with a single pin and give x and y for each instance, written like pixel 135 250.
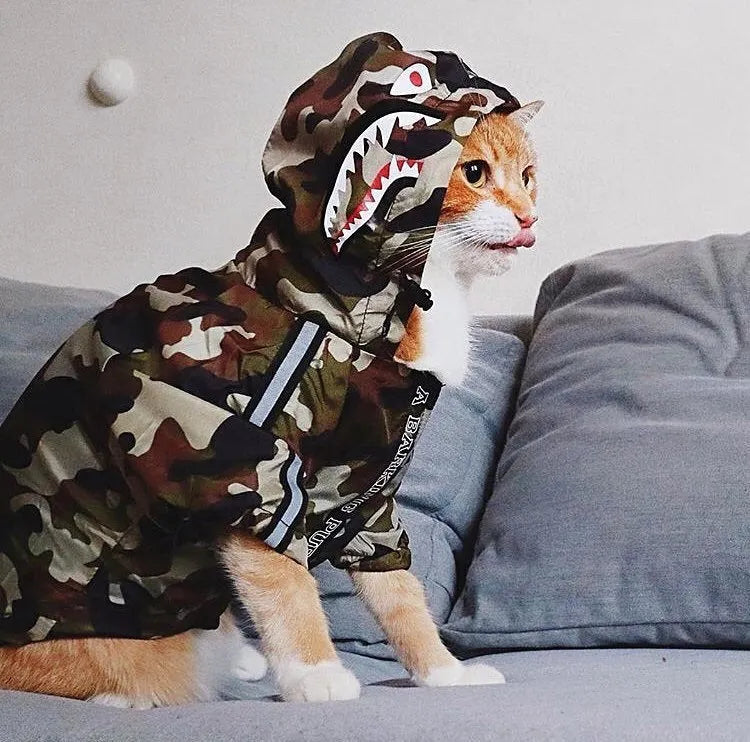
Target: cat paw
pixel 250 664
pixel 325 681
pixel 461 674
pixel 115 700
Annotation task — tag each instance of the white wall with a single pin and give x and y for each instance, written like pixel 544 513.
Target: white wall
pixel 645 136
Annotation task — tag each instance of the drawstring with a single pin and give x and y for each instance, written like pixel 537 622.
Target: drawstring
pixel 421 297
pixel 418 296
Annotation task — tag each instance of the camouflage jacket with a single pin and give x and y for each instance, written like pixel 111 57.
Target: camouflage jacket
pixel 262 395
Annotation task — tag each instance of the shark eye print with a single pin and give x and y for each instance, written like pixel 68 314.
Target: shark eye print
pixel 414 79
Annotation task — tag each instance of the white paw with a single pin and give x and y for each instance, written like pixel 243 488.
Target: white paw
pixel 250 664
pixel 461 674
pixel 478 674
pixel 115 700
pixel 326 681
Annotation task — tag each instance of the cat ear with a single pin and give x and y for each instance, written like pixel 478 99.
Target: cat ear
pixel 524 114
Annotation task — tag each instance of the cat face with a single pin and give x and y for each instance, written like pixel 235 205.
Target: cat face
pixel 490 205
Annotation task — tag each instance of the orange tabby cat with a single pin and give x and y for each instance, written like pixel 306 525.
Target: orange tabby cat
pixel 488 212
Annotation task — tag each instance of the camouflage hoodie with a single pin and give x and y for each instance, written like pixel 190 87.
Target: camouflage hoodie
pixel 262 395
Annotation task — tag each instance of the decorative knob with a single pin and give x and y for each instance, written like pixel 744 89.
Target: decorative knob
pixel 112 81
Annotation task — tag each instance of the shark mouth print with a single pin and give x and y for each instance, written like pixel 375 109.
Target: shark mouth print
pixel 378 132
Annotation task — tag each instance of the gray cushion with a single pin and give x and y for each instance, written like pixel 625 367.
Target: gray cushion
pixel 621 513
pixel 444 489
pixel 35 320
pixel 583 696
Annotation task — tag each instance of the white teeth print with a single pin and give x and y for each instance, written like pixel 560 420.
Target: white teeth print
pixel 392 171
pixel 382 129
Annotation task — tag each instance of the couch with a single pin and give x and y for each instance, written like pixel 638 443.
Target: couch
pixel 579 512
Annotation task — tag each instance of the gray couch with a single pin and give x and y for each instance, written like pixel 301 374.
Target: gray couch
pixel 580 515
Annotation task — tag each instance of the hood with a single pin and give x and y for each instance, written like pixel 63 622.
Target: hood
pixel 360 158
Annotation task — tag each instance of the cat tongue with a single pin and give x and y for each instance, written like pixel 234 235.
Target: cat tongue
pixel 525 238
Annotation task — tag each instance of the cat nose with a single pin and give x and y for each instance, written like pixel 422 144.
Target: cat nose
pixel 526 220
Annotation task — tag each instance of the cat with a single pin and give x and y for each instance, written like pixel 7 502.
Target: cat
pixel 489 209
pixel 182 392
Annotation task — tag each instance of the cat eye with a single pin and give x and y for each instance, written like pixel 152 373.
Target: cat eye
pixel 526 175
pixel 475 172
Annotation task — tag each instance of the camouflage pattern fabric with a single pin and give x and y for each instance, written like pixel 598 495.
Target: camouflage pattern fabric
pixel 262 395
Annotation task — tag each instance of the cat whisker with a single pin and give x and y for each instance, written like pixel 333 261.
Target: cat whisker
pixel 426 248
pixel 418 245
pixel 404 262
pixel 463 243
pixel 429 228
pixel 422 247
pixel 463 234
pixel 448 227
pixel 406 267
pixel 407 247
pixel 412 245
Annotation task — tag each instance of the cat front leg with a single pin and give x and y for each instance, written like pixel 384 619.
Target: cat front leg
pixel 282 598
pixel 396 600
